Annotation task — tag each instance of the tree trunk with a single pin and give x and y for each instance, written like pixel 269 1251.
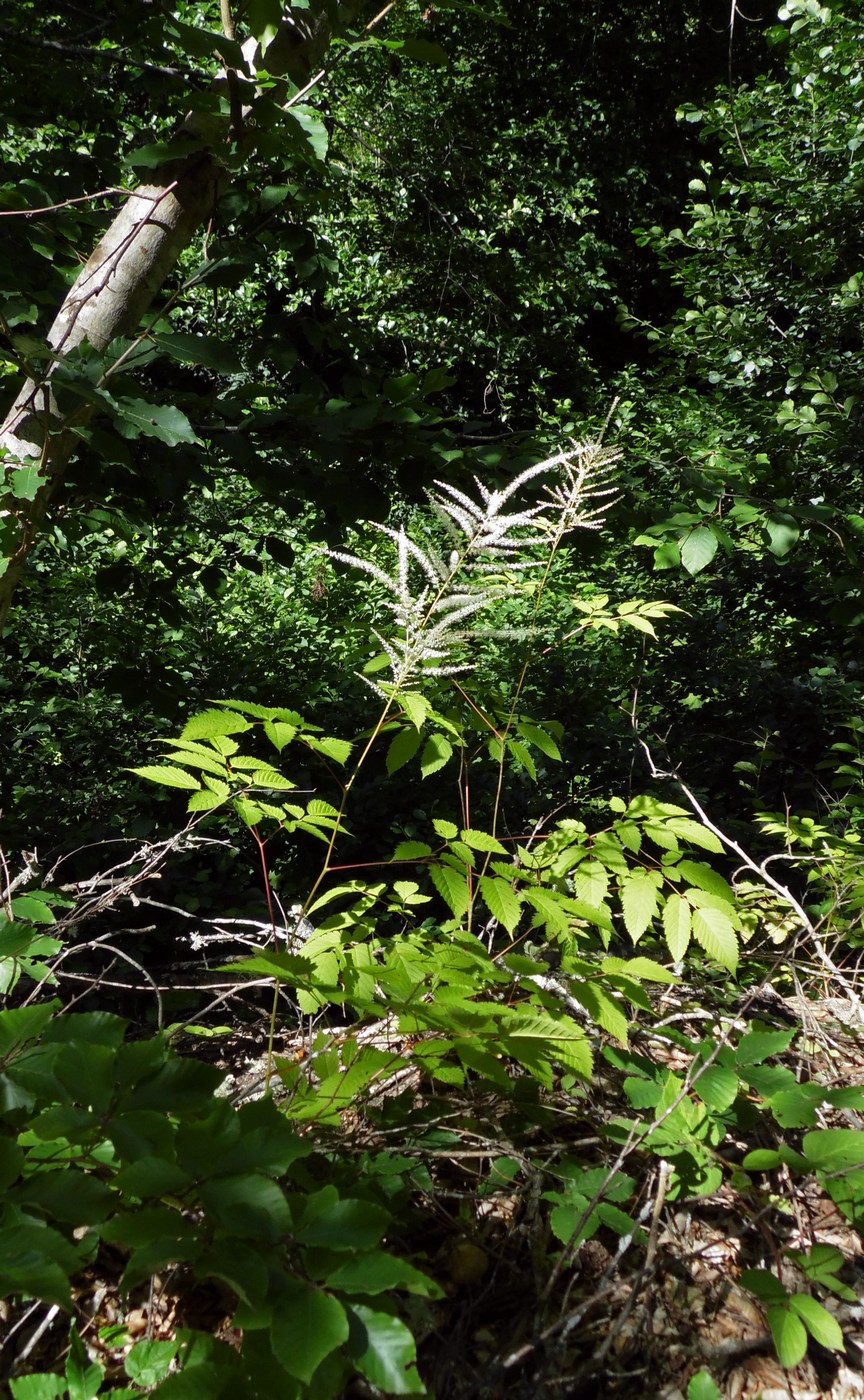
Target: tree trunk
pixel 114 290
pixel 111 293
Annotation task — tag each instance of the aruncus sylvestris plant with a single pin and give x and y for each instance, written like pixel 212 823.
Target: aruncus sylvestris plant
pixel 470 554
pixel 486 543
pixel 503 987
pixel 456 1005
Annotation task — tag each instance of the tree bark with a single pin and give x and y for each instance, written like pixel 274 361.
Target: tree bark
pixel 111 294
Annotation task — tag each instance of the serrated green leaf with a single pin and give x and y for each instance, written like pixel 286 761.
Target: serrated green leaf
pixel 630 835
pixel 446 830
pixel 563 1039
pixel 661 836
pixel 168 777
pixel 695 833
pixel 279 733
pixel 206 762
pixel 639 898
pixel 267 777
pixel 554 917
pixel 416 707
pixel 676 926
pixel 452 887
pixel 210 724
pixel 714 931
pixel 591 883
pixel 643 969
pixel 412 850
pixel 482 841
pixel 205 800
pixel 603 1008
pixel 704 878
pixel 502 901
pixel 249 812
pixel 641 624
pixel 436 753
pixel 339 750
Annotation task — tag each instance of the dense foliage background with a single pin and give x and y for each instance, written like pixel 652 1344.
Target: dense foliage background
pixel 482 234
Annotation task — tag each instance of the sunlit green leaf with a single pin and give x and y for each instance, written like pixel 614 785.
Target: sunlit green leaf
pixel 714 931
pixel 639 898
pixel 789 1333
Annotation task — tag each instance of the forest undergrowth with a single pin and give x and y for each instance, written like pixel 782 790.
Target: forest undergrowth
pixel 529 1108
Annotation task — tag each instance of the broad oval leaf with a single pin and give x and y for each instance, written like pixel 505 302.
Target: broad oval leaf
pixel 533 734
pixel 820 1323
pixel 307 1325
pixel 789 1333
pixel 136 417
pixel 783 531
pixel 834 1149
pixel 35 910
pixel 384 1351
pixel 717 1087
pixel 698 549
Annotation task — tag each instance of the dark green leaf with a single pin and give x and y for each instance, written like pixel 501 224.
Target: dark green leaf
pixel 308 1324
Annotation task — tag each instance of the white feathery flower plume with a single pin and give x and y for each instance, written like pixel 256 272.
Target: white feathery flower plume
pixel 432 612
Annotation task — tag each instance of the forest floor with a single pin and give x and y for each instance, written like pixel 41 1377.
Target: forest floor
pixel 500 1192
